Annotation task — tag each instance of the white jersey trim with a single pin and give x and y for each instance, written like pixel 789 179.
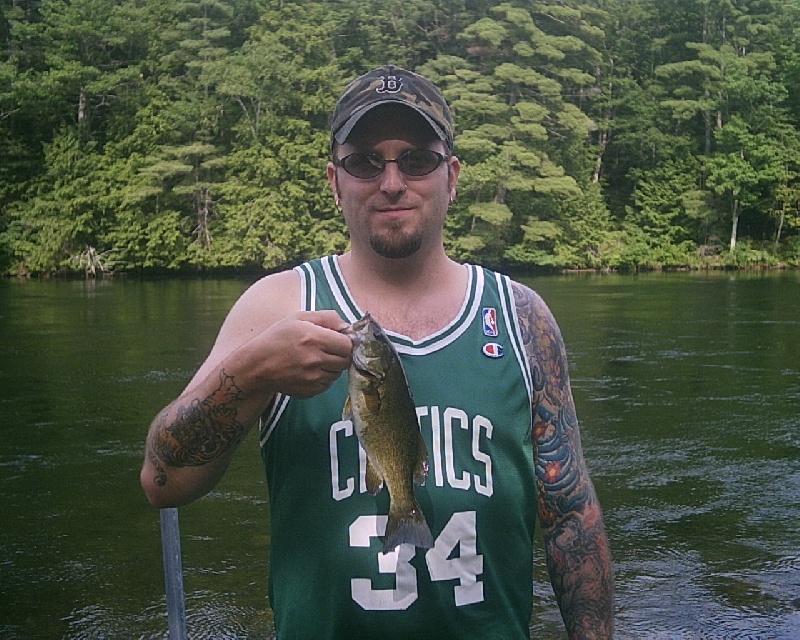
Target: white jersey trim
pixel 308 287
pixel 405 345
pixel 269 419
pixel 512 326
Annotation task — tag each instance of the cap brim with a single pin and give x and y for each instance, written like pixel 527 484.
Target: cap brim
pixel 343 132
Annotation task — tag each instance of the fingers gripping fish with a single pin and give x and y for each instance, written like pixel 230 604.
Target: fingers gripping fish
pixel 385 419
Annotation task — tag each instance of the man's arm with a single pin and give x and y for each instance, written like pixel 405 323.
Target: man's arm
pixel 191 442
pixel 578 555
pixel 264 346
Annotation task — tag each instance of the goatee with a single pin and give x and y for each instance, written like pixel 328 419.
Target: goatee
pixel 402 248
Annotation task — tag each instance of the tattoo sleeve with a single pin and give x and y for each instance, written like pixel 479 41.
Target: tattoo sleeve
pixel 199 433
pixel 578 556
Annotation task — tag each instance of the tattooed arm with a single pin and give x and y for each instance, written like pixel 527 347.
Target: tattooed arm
pixel 578 555
pixel 264 347
pixel 190 443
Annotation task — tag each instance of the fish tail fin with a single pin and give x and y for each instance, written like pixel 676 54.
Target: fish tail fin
pixel 407 527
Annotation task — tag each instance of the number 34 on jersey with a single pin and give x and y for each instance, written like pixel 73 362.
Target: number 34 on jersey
pixel 460 531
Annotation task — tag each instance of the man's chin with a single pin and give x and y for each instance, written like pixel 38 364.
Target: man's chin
pixel 395 250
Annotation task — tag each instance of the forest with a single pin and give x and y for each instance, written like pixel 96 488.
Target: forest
pixel 192 135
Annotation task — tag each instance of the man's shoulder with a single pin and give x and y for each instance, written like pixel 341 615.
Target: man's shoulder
pixel 527 302
pixel 531 309
pixel 274 283
pixel 269 299
pixel 515 284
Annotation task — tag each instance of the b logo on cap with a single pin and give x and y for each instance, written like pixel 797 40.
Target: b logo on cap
pixel 391 84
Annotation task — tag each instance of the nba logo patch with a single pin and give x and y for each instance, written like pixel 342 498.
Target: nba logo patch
pixel 493 350
pixel 490 322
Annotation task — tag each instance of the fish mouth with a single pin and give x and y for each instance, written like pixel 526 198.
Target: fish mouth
pixel 352 330
pixel 362 322
pixel 357 334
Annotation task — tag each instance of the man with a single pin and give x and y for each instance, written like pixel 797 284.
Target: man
pixel 488 372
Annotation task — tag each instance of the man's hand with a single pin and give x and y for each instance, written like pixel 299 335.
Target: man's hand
pixel 301 355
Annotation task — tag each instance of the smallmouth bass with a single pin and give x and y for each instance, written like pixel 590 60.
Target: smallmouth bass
pixel 385 420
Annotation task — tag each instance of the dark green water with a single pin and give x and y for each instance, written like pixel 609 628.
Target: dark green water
pixel 688 390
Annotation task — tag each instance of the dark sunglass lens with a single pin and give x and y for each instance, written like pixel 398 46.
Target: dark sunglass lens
pixel 362 165
pixel 419 162
pixel 416 162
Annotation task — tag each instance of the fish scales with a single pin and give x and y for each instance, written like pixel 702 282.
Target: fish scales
pixel 383 413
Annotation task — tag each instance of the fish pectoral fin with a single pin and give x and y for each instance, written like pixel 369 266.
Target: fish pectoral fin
pixel 373 478
pixel 421 464
pixel 421 473
pixel 372 400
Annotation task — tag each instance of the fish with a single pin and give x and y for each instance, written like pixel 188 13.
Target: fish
pixel 384 417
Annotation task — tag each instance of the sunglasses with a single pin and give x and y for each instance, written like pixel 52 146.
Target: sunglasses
pixel 414 162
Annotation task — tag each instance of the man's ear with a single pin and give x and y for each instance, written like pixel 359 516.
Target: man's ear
pixel 333 180
pixel 453 171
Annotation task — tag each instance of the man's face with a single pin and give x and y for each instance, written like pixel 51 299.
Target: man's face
pixel 394 214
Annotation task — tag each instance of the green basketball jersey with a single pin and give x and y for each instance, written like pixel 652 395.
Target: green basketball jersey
pixel 472 390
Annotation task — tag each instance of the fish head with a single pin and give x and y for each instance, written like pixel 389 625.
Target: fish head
pixel 372 351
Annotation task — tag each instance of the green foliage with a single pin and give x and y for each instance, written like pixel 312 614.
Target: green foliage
pixel 586 238
pixel 63 218
pixel 789 253
pixel 519 133
pixel 660 201
pixel 622 134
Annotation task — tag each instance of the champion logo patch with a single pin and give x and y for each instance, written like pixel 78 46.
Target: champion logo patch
pixel 490 329
pixel 493 350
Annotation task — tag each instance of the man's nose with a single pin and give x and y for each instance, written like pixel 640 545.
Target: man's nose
pixel 392 179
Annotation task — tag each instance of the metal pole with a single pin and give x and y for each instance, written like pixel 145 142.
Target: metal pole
pixel 173 574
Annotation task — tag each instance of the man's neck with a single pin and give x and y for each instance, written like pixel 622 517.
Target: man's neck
pixel 411 296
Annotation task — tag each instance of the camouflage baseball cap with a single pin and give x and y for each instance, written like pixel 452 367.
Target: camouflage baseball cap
pixel 389 85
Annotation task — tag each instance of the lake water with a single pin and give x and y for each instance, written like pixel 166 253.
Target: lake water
pixel 687 386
